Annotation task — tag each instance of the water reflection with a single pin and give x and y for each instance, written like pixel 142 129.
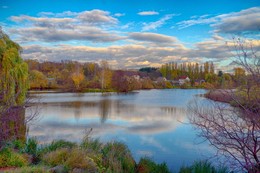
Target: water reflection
pixel 107 114
pixel 149 122
pixel 105 107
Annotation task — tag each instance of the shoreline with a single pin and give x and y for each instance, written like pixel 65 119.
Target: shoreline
pixel 220 95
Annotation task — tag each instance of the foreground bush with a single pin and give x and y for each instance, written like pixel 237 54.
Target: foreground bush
pixel 34 169
pixel 118 158
pixel 203 167
pixel 70 159
pixel 146 165
pixel 88 156
pixel 10 158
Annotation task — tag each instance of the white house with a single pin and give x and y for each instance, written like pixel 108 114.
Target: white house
pixel 183 80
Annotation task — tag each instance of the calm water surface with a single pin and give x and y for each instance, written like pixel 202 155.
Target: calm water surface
pixel 152 123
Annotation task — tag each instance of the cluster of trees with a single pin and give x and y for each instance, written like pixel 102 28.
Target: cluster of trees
pixel 195 71
pixel 71 75
pixel 206 72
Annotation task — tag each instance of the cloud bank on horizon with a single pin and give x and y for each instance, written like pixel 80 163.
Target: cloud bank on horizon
pixel 131 38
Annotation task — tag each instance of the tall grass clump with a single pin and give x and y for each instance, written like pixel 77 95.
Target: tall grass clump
pixel 92 145
pixel 118 158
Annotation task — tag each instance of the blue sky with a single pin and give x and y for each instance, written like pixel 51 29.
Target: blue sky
pixel 130 33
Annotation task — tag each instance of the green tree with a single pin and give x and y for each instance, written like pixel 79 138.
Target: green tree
pixel 38 80
pixel 13 73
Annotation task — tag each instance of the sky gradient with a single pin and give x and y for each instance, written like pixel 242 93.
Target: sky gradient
pixel 130 33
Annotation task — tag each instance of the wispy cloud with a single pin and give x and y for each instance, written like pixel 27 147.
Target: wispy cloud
pixel 147 13
pixel 247 20
pixel 4 6
pixel 157 24
pixel 119 14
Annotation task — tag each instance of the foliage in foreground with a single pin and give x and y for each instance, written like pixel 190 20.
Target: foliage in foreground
pixel 88 156
pixel 202 167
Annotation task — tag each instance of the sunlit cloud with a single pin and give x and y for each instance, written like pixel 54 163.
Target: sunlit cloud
pixel 152 52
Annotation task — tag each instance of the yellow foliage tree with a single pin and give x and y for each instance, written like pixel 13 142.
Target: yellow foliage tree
pixel 77 79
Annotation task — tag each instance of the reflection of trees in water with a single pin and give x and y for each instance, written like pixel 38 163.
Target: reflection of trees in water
pixel 178 114
pixel 104 109
pixel 77 109
pixel 13 125
pixel 173 110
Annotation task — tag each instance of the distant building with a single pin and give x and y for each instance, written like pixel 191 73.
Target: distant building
pixel 51 82
pixel 161 79
pixel 136 77
pixel 175 82
pixel 183 80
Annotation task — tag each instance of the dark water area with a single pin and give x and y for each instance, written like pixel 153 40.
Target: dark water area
pixel 151 123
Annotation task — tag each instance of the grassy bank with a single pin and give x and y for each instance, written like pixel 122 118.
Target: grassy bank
pixel 220 95
pixel 88 156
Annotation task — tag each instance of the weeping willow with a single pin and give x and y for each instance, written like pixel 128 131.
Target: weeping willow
pixel 13 73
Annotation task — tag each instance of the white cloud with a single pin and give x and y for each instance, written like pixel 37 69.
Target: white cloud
pixel 134 55
pixel 87 33
pixel 152 37
pixel 97 16
pixel 156 24
pixel 66 26
pixel 147 13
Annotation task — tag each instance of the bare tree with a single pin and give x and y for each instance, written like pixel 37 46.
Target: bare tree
pixel 235 130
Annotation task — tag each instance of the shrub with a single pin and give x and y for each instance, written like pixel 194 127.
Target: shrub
pixel 117 157
pixel 57 145
pixel 203 167
pixel 79 159
pixel 70 158
pixel 146 165
pixel 15 144
pixel 57 157
pixel 10 158
pixel 31 146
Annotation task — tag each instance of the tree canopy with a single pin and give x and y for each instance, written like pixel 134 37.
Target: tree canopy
pixel 13 73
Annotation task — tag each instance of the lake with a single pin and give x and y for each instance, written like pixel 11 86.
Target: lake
pixel 152 123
